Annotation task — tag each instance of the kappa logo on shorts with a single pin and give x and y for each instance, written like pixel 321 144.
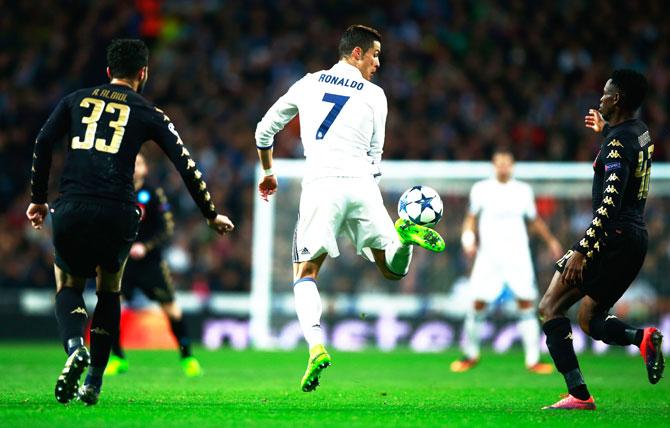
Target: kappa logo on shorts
pixel 304 251
pixel 79 310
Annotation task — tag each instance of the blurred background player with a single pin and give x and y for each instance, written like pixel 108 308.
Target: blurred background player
pixel 95 219
pixel 342 128
pixel 499 210
pixel 147 270
pixel 601 266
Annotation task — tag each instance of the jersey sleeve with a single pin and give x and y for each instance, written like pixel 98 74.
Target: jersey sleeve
pixel 53 130
pixel 162 215
pixel 167 138
pixel 378 134
pixel 617 163
pixel 530 209
pixel 281 112
pixel 475 204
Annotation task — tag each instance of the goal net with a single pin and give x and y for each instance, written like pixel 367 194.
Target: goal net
pixel 361 308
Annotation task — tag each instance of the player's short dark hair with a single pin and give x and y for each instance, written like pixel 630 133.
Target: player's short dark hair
pixel 502 150
pixel 358 35
pixel 126 56
pixel 632 87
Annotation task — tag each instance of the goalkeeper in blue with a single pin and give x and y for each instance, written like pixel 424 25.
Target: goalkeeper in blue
pixel 342 120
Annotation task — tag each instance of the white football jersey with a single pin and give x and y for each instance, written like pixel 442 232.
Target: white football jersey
pixel 342 121
pixel 503 209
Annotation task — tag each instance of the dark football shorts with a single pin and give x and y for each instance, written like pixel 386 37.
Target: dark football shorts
pixel 152 276
pixel 89 234
pixel 608 275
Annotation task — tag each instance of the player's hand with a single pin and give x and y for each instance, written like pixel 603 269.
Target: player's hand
pixel 138 251
pixel 37 213
pixel 594 120
pixel 267 186
pixel 574 267
pixel 221 224
pixel 556 249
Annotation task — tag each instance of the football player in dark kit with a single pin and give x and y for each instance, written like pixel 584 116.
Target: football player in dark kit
pixel 603 263
pixel 95 219
pixel 147 270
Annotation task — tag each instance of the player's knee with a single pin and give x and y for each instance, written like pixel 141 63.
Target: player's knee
pixel 479 305
pixel 584 324
pixel 524 304
pixel 546 310
pixel 593 326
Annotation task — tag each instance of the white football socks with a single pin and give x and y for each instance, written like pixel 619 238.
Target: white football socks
pixel 529 329
pixel 472 329
pixel 398 257
pixel 308 307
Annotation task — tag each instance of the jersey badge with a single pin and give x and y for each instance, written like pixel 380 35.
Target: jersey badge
pixel 612 166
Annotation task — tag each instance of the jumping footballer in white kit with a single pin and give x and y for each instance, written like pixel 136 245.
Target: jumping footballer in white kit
pixel 342 121
pixel 500 208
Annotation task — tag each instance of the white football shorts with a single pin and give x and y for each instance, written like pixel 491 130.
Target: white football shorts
pixel 490 274
pixel 334 206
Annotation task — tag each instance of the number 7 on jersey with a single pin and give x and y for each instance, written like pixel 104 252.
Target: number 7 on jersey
pixel 338 102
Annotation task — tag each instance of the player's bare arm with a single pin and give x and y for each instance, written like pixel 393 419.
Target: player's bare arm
pixel 469 236
pixel 540 227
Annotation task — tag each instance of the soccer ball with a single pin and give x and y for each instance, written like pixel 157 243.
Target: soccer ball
pixel 421 205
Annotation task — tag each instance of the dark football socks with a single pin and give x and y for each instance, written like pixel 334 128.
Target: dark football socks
pixel 559 342
pixel 104 327
pixel 613 331
pixel 71 317
pixel 179 331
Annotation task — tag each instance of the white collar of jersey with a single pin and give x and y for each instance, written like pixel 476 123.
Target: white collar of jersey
pixel 347 68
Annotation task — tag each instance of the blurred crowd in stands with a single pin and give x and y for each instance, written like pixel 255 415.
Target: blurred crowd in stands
pixel 461 77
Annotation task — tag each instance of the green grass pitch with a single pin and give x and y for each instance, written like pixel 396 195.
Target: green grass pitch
pixel 371 389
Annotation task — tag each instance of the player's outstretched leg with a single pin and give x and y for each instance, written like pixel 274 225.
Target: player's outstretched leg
pixel 425 237
pixel 319 360
pixel 68 381
pixel 651 350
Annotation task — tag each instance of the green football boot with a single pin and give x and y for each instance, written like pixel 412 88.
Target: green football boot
pixel 191 367
pixel 425 237
pixel 319 359
pixel 116 365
